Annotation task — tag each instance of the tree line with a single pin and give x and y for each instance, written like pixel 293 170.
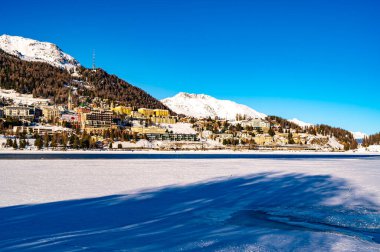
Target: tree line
pixel 371 140
pixel 343 136
pixel 46 81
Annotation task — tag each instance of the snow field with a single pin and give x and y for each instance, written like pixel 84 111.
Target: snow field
pixel 218 205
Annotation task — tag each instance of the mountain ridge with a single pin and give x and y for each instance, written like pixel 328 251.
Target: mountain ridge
pixel 203 106
pixel 33 50
pixel 47 80
pixel 300 123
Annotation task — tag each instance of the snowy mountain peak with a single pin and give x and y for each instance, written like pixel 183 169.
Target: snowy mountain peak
pixel 359 135
pixel 203 106
pixel 33 50
pixel 192 96
pixel 300 123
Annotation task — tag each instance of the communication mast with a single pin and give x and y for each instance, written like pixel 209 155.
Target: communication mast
pixel 93 60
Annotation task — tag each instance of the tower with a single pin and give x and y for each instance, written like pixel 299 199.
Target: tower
pixel 93 60
pixel 69 102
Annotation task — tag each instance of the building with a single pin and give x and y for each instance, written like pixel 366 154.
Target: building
pixel 96 120
pixel 136 114
pixel 221 137
pixel 300 138
pixel 263 139
pixel 69 117
pixel 172 137
pixel 146 112
pixel 19 112
pixel 1 112
pixel 163 119
pixel 80 112
pixel 51 113
pixel 255 123
pixel 122 110
pixel 70 120
pixel 161 112
pixel 37 113
pixel 281 139
pixel 148 130
pixel 41 130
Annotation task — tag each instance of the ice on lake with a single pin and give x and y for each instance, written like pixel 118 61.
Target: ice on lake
pixel 175 205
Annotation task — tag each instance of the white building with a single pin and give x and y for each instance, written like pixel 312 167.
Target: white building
pixel 19 112
pixel 41 130
pixel 254 123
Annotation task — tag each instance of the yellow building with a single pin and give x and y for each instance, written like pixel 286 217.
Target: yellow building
pixel 148 130
pixel 263 139
pixel 166 119
pixel 161 112
pixel 50 112
pixel 122 110
pixel 300 138
pixel 136 114
pixel 146 112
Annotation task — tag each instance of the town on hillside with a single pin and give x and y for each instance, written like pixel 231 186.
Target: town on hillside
pixel 101 124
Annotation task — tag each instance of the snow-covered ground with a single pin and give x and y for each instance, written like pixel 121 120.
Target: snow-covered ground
pixel 179 128
pixel 300 123
pixel 371 148
pixel 33 50
pixel 359 135
pixel 335 144
pixel 174 205
pixel 204 106
pixel 18 98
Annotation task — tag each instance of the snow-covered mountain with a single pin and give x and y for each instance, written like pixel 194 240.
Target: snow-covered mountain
pixel 300 123
pixel 359 135
pixel 33 50
pixel 203 106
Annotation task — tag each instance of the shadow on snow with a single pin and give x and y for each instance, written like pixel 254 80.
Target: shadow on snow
pixel 268 210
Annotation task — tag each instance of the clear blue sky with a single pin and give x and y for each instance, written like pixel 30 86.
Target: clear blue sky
pixel 317 60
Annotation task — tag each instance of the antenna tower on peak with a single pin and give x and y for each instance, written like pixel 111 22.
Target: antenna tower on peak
pixel 93 60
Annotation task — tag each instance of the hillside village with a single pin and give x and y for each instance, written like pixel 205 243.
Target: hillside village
pixel 101 124
pixel 49 101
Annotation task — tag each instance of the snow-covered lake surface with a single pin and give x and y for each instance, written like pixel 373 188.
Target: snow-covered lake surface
pixel 296 204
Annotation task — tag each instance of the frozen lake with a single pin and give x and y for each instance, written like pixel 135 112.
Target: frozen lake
pixel 251 204
pixel 177 155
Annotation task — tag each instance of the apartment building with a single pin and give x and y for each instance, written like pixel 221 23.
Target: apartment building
pixel 96 120
pixel 19 112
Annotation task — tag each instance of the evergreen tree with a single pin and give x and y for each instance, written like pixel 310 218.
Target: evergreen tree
pixel 76 142
pixel 46 140
pixel 290 138
pixel 9 142
pixel 53 143
pixel 43 80
pixel 271 132
pixel 22 144
pixel 15 145
pixel 38 143
pixel 64 140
